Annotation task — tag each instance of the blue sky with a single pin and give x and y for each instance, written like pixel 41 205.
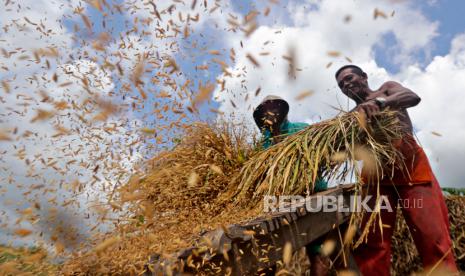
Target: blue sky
pixel 448 13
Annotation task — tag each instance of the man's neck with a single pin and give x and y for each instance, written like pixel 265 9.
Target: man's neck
pixel 359 100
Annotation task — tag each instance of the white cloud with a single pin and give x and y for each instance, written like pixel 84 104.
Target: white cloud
pixel 441 86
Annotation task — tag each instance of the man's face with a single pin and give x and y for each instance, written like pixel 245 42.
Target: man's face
pixel 352 85
pixel 272 117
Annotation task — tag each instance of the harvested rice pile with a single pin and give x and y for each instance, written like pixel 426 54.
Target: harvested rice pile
pixel 183 193
pixel 405 256
pixel 175 201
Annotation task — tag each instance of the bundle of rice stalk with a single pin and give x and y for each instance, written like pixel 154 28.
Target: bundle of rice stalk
pixel 328 150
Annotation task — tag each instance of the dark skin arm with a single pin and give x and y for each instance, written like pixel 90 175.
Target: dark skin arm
pixel 397 97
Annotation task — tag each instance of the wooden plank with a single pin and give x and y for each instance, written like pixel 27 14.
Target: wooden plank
pixel 240 254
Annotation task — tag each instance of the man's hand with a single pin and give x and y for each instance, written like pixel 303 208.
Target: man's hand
pixel 370 108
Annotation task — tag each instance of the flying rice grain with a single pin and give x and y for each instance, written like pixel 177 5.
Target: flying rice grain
pixel 287 253
pixel 107 244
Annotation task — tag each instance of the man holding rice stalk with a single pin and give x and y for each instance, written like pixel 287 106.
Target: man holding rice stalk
pixel 428 222
pixel 271 118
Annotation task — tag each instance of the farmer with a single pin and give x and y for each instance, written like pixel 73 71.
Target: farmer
pixel 428 223
pixel 271 118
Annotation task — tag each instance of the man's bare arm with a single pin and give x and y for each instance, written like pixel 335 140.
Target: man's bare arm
pixel 398 96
